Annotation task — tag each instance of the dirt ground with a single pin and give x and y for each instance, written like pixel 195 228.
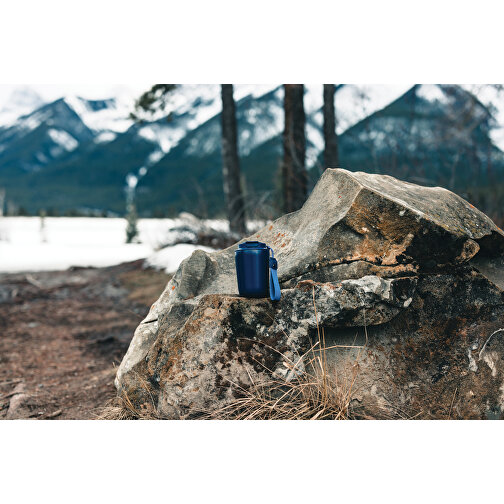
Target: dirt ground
pixel 63 333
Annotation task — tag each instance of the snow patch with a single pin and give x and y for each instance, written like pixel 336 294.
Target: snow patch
pixel 131 181
pixel 432 93
pixel 32 121
pixel 80 241
pixel 169 258
pixel 154 157
pixel 105 137
pixel 113 117
pixel 41 158
pixel 165 136
pixel 64 139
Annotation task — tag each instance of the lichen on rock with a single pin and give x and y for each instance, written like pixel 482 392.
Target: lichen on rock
pixel 419 267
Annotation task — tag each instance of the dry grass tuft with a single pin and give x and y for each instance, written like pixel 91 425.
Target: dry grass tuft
pixel 115 410
pixel 315 392
pixel 312 390
pixel 122 408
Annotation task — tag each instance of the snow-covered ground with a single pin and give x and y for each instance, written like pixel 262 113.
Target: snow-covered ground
pixel 81 241
pixel 169 258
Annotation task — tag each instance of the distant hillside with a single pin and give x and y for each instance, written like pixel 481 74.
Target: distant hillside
pixel 75 154
pixel 433 135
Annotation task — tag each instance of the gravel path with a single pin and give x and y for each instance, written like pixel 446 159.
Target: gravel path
pixel 62 333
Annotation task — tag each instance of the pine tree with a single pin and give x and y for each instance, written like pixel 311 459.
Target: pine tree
pixel 294 174
pixel 330 137
pixel 153 101
pixel 231 164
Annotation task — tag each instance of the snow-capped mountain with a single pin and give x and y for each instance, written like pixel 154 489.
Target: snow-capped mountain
pixel 78 141
pixel 433 134
pixel 260 107
pixel 44 135
pixel 71 120
pixel 81 153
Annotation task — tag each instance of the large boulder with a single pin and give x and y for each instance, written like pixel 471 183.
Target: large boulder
pixel 410 275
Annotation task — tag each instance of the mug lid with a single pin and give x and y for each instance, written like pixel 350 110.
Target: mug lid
pixel 252 245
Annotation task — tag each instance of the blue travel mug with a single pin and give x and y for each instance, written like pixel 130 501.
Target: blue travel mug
pixel 256 271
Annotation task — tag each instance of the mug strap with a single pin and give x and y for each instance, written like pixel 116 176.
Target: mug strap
pixel 274 286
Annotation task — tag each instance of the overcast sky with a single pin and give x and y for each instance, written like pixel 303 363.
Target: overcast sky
pixel 93 91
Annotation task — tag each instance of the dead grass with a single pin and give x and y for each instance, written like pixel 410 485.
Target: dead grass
pixel 309 389
pixel 122 407
pixel 116 410
pixel 312 395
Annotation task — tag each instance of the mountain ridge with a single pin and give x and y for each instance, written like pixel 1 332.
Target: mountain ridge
pixel 74 153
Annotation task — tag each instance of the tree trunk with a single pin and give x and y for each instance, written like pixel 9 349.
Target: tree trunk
pixel 2 201
pixel 294 175
pixel 330 137
pixel 230 163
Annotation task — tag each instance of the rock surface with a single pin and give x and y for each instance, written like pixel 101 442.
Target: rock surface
pixel 419 268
